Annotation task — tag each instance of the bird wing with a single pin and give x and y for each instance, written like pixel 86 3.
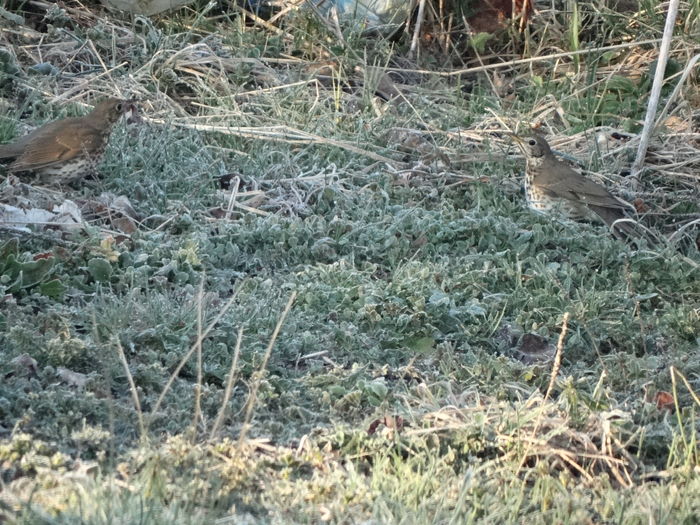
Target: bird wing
pixel 57 142
pixel 11 150
pixel 562 181
pixel 16 148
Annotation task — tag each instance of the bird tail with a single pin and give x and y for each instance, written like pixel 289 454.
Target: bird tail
pixel 625 227
pixel 8 151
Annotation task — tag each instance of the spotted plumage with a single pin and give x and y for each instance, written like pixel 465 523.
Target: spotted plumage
pixel 552 186
pixel 66 150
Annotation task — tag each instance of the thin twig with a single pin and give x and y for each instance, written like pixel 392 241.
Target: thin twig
pixel 132 387
pixel 290 5
pixel 686 73
pixel 520 61
pixel 279 134
pixel 230 381
pixel 68 92
pixel 256 385
pixel 552 379
pixel 198 344
pixel 557 357
pixel 262 23
pixel 674 373
pixel 261 91
pixel 192 350
pixel 416 30
pixel 232 199
pixel 655 92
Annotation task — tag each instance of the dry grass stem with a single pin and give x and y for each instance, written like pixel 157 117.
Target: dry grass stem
pixel 193 349
pixel 252 397
pixel 677 90
pixel 230 381
pixel 232 198
pixel 655 94
pixel 198 385
pixel 557 357
pixel 132 388
pixel 279 134
pixel 521 61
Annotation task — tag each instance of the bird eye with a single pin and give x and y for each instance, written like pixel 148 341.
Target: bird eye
pixel 531 142
pixel 119 107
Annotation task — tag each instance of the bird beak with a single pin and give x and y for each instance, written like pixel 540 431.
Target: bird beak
pixel 132 112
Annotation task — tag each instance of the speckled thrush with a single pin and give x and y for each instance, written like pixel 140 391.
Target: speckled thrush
pixel 68 149
pixel 553 186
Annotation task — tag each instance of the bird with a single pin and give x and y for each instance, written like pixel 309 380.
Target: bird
pixel 553 186
pixel 69 149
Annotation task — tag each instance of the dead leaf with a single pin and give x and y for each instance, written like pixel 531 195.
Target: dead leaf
pixel 26 363
pixel 120 239
pixel 640 205
pixel 107 249
pixel 217 213
pixel 226 181
pixel 664 401
pixel 392 423
pixel 68 213
pixel 124 224
pixel 21 219
pixel 116 204
pixel 385 87
pixel 534 349
pixel 488 16
pixel 677 124
pixel 75 379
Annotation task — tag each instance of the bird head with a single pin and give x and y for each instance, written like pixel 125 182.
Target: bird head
pixel 532 146
pixel 110 110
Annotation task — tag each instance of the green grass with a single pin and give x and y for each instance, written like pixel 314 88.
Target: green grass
pixel 394 392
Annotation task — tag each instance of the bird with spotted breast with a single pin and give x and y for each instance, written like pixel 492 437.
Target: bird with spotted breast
pixel 69 149
pixel 553 186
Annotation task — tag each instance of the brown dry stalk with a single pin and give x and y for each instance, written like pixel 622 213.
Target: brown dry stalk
pixel 192 350
pixel 132 388
pixel 256 385
pixel 230 381
pixel 557 357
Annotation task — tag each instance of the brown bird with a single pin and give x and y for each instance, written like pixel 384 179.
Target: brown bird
pixel 68 149
pixel 552 186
